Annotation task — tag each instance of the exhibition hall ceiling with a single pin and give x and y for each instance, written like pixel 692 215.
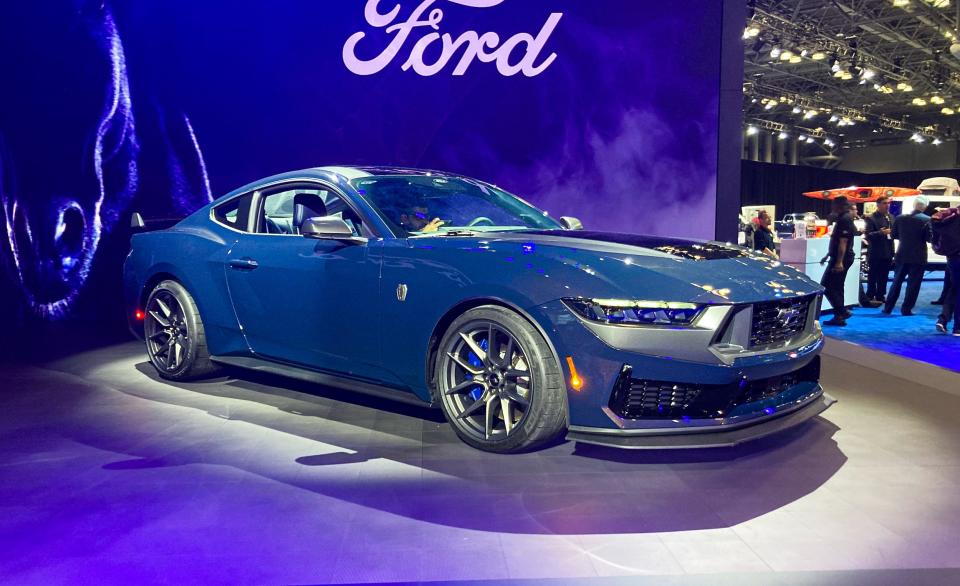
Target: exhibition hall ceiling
pixel 853 72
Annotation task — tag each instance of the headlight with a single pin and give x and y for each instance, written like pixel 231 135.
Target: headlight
pixel 629 312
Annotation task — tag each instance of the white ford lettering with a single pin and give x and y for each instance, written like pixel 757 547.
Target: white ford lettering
pixel 487 48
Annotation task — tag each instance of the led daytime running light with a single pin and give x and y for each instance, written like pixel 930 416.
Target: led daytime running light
pixel 630 312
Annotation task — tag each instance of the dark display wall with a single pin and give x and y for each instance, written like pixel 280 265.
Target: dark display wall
pixel 607 110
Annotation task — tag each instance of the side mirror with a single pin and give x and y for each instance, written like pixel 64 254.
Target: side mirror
pixel 571 223
pixel 329 228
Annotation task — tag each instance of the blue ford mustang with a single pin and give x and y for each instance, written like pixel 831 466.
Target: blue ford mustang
pixel 447 291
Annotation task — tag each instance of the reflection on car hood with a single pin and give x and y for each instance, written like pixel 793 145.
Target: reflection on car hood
pixel 689 249
pixel 684 270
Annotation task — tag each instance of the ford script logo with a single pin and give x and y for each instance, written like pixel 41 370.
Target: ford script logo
pixel 520 53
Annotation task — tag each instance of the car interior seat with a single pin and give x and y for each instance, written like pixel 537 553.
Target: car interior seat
pixel 307 205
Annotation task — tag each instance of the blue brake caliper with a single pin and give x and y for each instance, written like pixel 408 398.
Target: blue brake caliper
pixel 474 360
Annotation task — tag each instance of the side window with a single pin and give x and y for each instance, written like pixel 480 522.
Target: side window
pixel 234 213
pixel 283 212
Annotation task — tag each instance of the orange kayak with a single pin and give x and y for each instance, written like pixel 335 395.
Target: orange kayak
pixel 863 194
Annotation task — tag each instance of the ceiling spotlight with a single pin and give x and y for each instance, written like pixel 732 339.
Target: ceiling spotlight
pixel 868 74
pixel 818 56
pixel 937 142
pixel 810 114
pixel 948 111
pixel 751 32
pixel 834 118
pixel 802 138
pixel 901 3
pixel 919 102
pixel 804 53
pixel 917 137
pixel 775 52
pixel 796 59
pixel 751 130
pixel 835 66
pixel 936 100
pixel 770 105
pixel 796 110
pixel 782 136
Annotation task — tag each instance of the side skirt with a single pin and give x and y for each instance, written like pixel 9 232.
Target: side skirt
pixel 367 388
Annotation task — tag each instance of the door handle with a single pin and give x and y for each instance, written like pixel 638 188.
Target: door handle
pixel 243 263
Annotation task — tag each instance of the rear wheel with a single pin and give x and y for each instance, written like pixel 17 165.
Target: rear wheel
pixel 174 334
pixel 499 384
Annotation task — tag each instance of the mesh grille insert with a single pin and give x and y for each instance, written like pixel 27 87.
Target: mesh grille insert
pixel 778 321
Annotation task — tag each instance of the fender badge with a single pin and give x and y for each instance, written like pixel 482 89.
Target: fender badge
pixel 402 292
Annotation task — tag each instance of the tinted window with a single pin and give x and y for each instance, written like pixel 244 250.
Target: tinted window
pixel 234 213
pixel 279 208
pixel 418 204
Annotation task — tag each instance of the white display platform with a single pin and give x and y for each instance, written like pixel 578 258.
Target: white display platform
pixel 805 254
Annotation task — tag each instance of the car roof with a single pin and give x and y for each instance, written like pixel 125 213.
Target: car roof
pixel 343 173
pixel 355 172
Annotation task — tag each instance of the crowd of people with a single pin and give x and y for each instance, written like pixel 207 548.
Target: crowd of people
pixel 913 231
pixel 892 243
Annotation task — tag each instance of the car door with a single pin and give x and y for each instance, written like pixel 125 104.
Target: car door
pixel 306 301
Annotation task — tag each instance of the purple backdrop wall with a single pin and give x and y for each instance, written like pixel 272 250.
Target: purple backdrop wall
pixel 606 110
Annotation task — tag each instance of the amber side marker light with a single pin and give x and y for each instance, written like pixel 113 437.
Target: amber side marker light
pixel 575 381
pixel 138 315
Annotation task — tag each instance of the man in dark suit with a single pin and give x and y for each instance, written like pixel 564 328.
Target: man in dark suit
pixel 878 232
pixel 913 232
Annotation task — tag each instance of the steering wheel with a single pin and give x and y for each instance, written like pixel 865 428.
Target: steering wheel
pixel 478 220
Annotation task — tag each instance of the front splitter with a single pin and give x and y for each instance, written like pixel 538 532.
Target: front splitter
pixel 721 438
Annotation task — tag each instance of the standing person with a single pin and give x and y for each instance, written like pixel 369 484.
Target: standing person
pixel 947 284
pixel 841 257
pixel 879 238
pixel 945 226
pixel 763 236
pixel 913 232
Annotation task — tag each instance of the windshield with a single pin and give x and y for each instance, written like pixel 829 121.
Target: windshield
pixel 414 205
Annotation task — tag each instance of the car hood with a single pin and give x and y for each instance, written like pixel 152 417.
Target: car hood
pixel 647 267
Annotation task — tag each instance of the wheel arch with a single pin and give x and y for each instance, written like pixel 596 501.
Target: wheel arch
pixel 154 280
pixel 466 305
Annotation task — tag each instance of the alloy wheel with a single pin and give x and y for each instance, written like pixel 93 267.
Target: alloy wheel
pixel 487 384
pixel 165 328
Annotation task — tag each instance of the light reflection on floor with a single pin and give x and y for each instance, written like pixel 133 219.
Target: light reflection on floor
pixel 110 475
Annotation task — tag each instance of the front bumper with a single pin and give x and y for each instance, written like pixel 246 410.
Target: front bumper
pixel 723 434
pixel 671 382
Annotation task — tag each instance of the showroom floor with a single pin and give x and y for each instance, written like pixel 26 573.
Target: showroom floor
pixel 108 475
pixel 913 337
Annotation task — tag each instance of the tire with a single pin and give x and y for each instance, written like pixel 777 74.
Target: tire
pixel 174 335
pixel 476 410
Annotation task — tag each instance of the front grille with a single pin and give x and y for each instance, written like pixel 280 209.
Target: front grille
pixel 635 398
pixel 659 399
pixel 778 321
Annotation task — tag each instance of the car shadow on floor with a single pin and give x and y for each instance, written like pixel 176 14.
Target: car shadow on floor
pixel 407 461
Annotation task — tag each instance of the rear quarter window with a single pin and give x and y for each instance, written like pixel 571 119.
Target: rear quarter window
pixel 234 213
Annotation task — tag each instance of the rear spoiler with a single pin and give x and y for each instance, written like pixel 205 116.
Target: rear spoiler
pixel 138 224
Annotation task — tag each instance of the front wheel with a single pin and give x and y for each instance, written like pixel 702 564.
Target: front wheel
pixel 175 338
pixel 500 386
